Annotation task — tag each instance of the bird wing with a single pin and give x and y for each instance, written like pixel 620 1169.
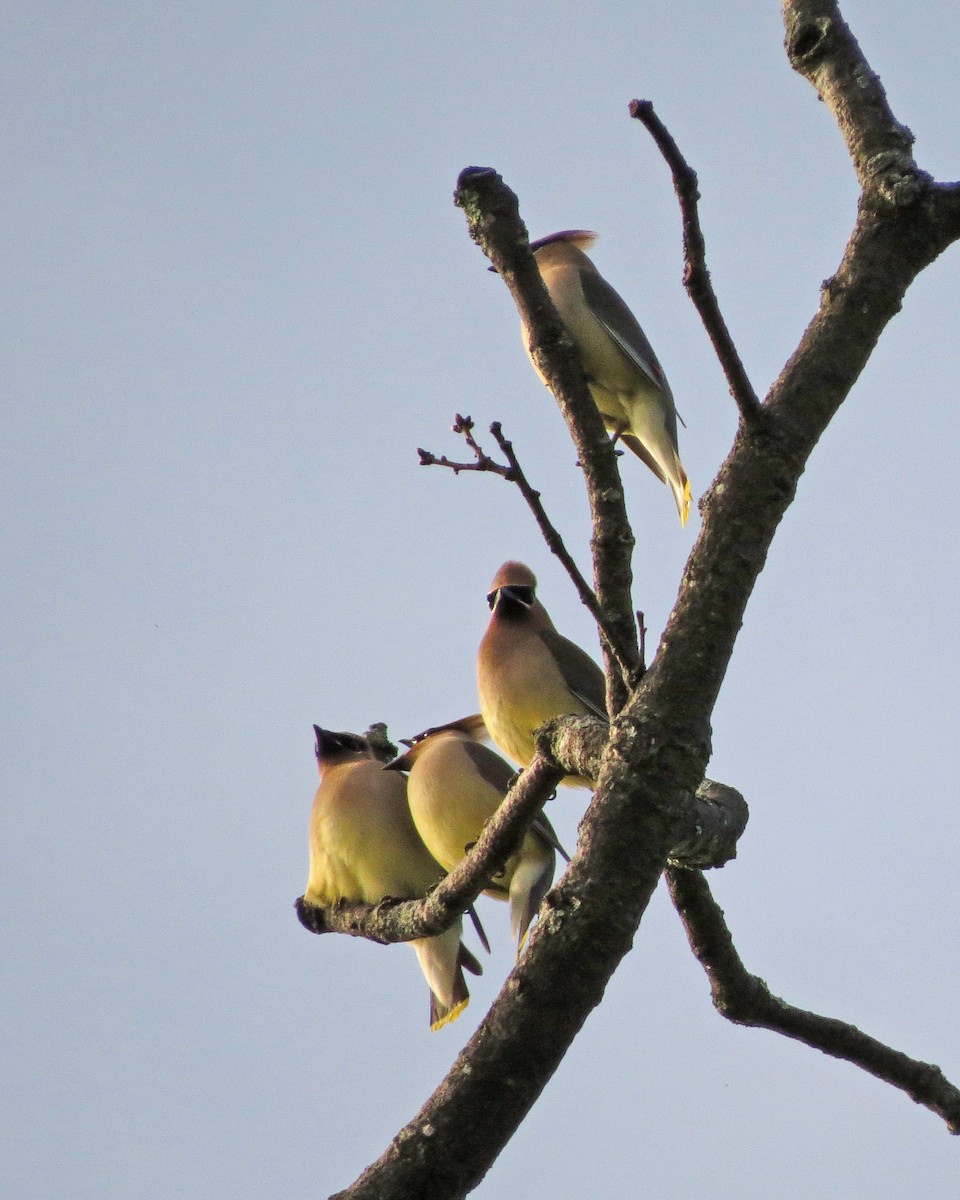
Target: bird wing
pixel 542 827
pixel 620 323
pixel 490 766
pixel 580 673
pixel 499 774
pixel 633 443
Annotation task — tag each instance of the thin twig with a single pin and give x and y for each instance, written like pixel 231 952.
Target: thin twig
pixel 464 426
pixel 745 999
pixel 696 277
pixel 555 543
pixel 514 473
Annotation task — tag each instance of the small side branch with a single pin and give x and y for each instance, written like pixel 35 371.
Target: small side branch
pixel 696 277
pixel 642 640
pixel 403 920
pixel 746 1000
pixel 483 462
pixel 718 815
pixel 514 473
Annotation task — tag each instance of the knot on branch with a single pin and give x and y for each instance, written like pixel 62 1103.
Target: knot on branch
pixel 377 739
pixel 716 815
pixel 575 744
pixel 895 176
pixel 809 41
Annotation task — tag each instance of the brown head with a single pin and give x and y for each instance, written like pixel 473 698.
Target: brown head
pixel 513 596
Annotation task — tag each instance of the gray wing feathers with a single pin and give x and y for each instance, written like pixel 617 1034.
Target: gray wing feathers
pixel 500 775
pixel 490 766
pixel 620 323
pixel 543 829
pixel 580 673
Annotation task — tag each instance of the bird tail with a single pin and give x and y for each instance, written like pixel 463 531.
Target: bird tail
pixel 530 883
pixel 442 959
pixel 442 1013
pixel 680 486
pixel 665 463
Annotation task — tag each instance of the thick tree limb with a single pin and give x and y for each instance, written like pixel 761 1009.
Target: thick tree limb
pixel 696 277
pixel 746 1000
pixel 659 743
pixel 571 952
pixel 493 219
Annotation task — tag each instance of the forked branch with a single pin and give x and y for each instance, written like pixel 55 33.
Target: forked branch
pixel 745 999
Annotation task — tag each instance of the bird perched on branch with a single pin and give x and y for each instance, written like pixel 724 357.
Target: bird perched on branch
pixel 527 672
pixel 625 379
pixel 455 785
pixel 363 847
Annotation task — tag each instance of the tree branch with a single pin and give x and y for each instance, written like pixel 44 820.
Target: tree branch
pixel 465 426
pixel 659 743
pixel 514 473
pixel 493 219
pixel 586 926
pixel 745 999
pixel 718 815
pixel 708 832
pixel 696 277
pixel 403 920
pixel 821 47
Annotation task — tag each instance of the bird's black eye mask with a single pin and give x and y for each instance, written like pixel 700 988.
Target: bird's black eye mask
pixel 515 596
pixel 328 743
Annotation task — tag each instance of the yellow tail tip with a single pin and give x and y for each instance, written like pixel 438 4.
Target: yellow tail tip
pixel 684 506
pixel 449 1016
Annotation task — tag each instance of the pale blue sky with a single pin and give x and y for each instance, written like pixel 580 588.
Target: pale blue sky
pixel 237 296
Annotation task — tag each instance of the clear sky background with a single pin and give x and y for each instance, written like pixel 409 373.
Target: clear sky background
pixel 237 297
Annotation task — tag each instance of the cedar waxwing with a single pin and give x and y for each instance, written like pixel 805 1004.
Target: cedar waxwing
pixel 626 381
pixel 527 672
pixel 363 847
pixel 455 785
